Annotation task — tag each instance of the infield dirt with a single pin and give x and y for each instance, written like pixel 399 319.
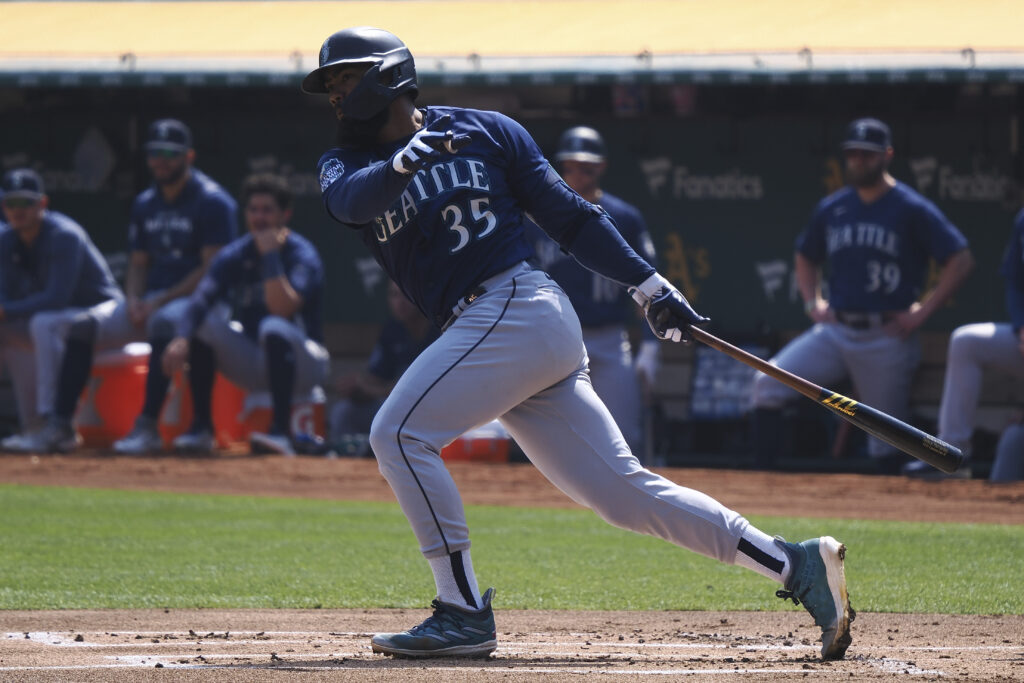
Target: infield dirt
pixel 258 645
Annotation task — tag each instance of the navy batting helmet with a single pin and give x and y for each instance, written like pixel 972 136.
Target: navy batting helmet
pixel 581 144
pixel 391 73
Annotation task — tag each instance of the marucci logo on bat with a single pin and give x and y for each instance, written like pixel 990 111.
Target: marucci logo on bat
pixel 841 403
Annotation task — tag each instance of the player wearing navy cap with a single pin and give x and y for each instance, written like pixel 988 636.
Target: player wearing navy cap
pixel 274 277
pixel 602 305
pixel 177 225
pixel 49 270
pixel 440 195
pixel 874 238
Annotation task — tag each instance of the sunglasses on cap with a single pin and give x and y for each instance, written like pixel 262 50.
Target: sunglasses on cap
pixel 19 202
pixel 159 153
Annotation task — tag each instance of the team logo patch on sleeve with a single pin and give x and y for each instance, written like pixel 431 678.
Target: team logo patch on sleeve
pixel 329 172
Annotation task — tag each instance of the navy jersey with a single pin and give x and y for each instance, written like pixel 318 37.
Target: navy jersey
pixel 1013 270
pixel 458 221
pixel 61 269
pixel 597 300
pixel 174 234
pixel 877 254
pixel 236 277
pixel 396 349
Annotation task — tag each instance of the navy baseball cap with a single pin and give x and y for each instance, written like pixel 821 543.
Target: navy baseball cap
pixel 22 182
pixel 169 134
pixel 869 134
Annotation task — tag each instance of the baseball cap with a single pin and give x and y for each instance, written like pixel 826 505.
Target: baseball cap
pixel 869 134
pixel 581 144
pixel 22 182
pixel 169 134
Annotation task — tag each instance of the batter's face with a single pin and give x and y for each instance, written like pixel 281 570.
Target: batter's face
pixel 340 81
pixel 865 168
pixel 168 166
pixel 24 214
pixel 263 214
pixel 582 176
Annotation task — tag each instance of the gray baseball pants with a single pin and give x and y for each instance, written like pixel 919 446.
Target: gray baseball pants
pixel 610 359
pixel 516 353
pixel 880 366
pixel 18 355
pixel 972 350
pixel 242 360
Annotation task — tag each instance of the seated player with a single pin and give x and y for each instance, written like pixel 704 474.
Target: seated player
pixel 275 278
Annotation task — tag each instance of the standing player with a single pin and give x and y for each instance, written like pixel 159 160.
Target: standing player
pixel 602 305
pixel 439 195
pixel 974 348
pixel 875 237
pixel 178 224
pixel 49 270
pixel 275 278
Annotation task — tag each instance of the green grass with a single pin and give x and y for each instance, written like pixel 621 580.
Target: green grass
pixel 81 548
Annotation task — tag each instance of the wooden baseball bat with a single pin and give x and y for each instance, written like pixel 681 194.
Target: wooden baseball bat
pixel 910 440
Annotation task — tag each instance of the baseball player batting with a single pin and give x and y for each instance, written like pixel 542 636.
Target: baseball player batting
pixel 439 196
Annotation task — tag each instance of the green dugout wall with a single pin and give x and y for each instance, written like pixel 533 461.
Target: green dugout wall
pixel 725 175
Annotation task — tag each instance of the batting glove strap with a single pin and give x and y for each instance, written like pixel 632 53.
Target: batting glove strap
pixel 427 145
pixel 667 311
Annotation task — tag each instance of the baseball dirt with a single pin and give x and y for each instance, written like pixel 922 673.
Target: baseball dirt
pixel 313 645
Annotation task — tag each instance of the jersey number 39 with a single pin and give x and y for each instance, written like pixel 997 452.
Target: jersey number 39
pixel 482 223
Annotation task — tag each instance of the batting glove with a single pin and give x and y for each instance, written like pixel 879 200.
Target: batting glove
pixel 668 312
pixel 428 145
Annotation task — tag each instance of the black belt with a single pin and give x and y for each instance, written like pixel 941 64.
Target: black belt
pixel 865 321
pixel 462 304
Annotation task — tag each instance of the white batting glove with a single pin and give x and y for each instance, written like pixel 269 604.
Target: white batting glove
pixel 427 145
pixel 668 312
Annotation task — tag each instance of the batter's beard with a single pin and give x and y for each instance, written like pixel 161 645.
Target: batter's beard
pixel 352 134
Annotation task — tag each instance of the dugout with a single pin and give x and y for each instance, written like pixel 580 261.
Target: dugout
pixel 722 122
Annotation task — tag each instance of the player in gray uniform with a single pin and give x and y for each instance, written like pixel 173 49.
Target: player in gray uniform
pixel 997 347
pixel 604 308
pixel 439 196
pixel 875 238
pixel 177 226
pixel 49 271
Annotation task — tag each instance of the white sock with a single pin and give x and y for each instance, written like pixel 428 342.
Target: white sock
pixel 759 551
pixel 449 572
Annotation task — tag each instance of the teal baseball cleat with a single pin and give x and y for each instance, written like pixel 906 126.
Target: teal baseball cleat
pixel 451 631
pixel 817 580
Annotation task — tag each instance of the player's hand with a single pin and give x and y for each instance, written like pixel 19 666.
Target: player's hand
pixel 905 322
pixel 819 311
pixel 139 311
pixel 668 312
pixel 174 356
pixel 428 145
pixel 269 240
pixel 1020 340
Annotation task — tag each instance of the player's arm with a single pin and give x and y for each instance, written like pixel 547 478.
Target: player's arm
pixel 1012 269
pixel 188 284
pixel 358 196
pixel 954 271
pixel 808 282
pixel 278 294
pixel 64 269
pixel 209 290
